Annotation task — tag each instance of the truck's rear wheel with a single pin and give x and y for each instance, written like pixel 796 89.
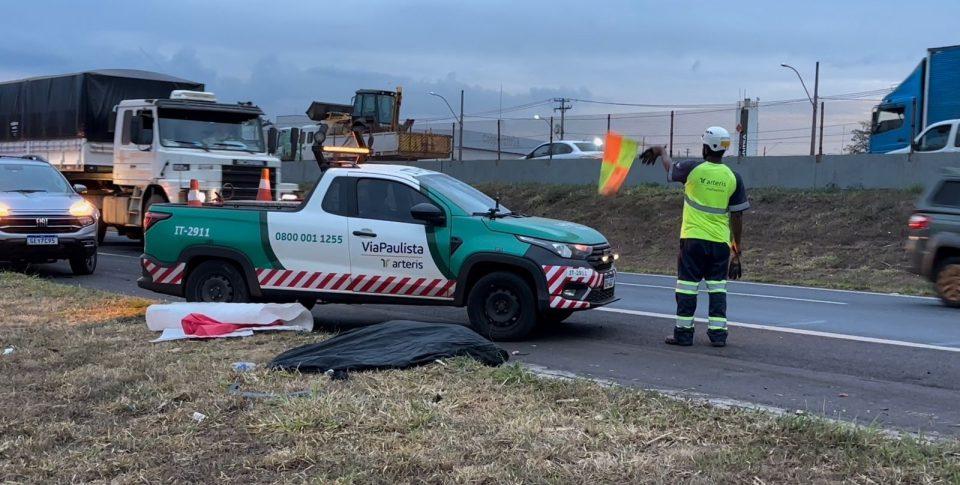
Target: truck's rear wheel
pixel 502 306
pixel 948 282
pixel 216 282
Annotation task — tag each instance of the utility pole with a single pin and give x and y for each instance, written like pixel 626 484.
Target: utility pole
pixel 498 139
pixel 551 138
pixel 816 91
pixel 453 136
pixel 671 133
pixel 460 154
pixel 608 123
pixel 821 128
pixel 562 109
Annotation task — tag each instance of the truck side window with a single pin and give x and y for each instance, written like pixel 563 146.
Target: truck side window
pixel 948 195
pixel 935 138
pixel 125 135
pixel 387 200
pixel 887 118
pixel 337 199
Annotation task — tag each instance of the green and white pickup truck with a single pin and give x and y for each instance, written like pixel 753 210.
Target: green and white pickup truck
pixel 383 234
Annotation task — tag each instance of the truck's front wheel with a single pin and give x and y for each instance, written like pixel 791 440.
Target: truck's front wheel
pixel 216 282
pixel 502 306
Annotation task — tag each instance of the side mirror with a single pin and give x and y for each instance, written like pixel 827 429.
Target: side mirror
pixel 428 213
pixel 272 135
pixel 80 188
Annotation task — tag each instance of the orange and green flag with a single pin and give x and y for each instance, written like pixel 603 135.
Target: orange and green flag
pixel 618 155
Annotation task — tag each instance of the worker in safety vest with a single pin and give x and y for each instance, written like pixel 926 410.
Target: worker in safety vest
pixel 714 201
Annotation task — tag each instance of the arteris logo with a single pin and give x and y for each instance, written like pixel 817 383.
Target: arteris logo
pixel 387 248
pixel 715 183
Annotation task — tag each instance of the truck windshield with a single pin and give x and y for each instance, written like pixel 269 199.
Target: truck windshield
pixel 887 118
pixel 466 197
pixel 27 178
pixel 211 130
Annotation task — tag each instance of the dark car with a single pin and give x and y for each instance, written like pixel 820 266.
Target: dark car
pixel 43 218
pixel 934 237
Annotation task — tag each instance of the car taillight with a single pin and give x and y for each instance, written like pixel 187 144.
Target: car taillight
pixel 918 222
pixel 151 218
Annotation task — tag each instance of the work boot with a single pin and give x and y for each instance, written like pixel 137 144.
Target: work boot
pixel 682 336
pixel 718 338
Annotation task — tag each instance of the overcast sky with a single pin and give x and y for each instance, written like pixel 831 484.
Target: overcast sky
pixel 282 54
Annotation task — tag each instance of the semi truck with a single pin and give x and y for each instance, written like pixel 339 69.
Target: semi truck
pixel 136 138
pixel 926 97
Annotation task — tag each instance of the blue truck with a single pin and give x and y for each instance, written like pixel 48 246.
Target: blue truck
pixel 929 95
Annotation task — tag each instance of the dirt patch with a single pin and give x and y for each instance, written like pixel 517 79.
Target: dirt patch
pixel 87 398
pixel 850 239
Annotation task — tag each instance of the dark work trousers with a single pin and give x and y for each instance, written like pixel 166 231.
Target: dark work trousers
pixel 702 260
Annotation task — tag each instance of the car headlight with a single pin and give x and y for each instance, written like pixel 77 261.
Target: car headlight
pixel 564 250
pixel 82 208
pixel 4 210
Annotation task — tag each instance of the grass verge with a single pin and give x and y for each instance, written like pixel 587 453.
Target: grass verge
pixel 847 239
pixel 87 398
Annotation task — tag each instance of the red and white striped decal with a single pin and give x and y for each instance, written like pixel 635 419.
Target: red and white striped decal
pixel 287 279
pixel 558 276
pixel 168 275
pixel 563 303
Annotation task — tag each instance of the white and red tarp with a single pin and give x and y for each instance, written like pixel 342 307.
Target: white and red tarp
pixel 218 320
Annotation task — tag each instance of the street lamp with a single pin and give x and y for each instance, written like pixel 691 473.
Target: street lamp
pixel 460 157
pixel 550 124
pixel 813 101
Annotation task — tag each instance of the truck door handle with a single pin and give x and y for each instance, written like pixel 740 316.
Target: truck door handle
pixel 364 233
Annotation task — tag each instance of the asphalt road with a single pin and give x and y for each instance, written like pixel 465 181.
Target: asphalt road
pixel 888 360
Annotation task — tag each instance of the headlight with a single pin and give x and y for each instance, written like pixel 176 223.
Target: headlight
pixel 82 208
pixel 4 210
pixel 564 250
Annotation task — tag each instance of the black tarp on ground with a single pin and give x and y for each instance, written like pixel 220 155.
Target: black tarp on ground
pixel 396 344
pixel 80 104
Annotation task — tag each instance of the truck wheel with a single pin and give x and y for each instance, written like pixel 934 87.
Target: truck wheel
pixel 502 306
pixel 554 317
pixel 216 281
pixel 948 282
pixel 83 265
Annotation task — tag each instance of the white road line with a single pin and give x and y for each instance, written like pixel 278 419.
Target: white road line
pixel 828 302
pixel 813 333
pixel 856 292
pixel 118 255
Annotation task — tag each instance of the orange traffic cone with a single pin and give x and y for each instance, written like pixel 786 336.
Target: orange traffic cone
pixel 263 193
pixel 195 198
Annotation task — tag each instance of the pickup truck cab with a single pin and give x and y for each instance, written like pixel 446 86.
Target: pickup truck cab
pixel 933 241
pixel 383 234
pixel 942 137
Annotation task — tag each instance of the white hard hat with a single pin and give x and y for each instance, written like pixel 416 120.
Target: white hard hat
pixel 717 138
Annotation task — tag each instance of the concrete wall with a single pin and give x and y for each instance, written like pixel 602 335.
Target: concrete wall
pixel 801 172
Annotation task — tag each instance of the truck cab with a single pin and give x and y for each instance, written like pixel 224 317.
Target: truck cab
pixel 160 145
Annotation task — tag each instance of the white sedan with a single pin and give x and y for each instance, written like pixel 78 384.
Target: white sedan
pixel 568 149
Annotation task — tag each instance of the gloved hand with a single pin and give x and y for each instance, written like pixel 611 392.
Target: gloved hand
pixel 736 269
pixel 650 155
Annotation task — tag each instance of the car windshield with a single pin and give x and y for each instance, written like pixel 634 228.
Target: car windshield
pixel 208 130
pixel 466 197
pixel 28 177
pixel 589 147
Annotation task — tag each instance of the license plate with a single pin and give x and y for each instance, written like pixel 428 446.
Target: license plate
pixel 609 279
pixel 42 241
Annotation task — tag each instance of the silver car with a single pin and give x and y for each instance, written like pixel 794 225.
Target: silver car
pixel 43 218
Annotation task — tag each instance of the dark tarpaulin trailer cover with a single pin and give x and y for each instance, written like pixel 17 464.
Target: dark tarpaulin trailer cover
pixel 396 344
pixel 77 105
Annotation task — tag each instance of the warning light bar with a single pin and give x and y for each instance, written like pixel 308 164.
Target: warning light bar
pixel 350 150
